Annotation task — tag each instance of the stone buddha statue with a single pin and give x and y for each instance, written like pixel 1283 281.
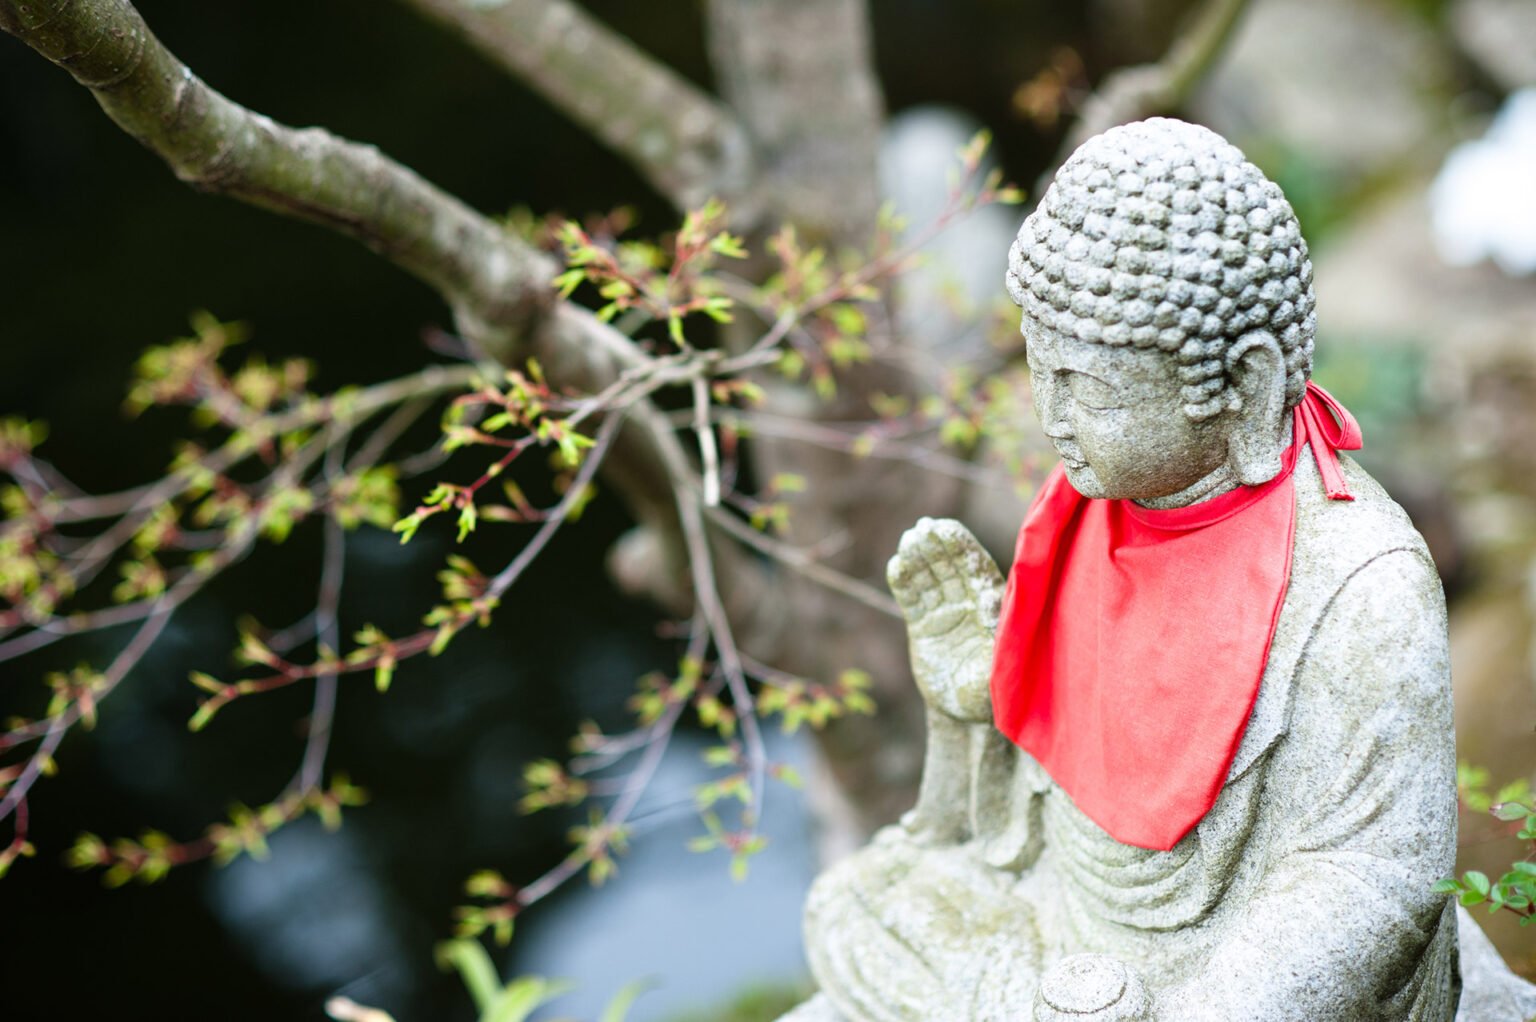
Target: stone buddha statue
pixel 1194 759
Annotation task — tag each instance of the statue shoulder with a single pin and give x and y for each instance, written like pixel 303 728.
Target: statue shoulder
pixel 1336 538
pixel 1358 561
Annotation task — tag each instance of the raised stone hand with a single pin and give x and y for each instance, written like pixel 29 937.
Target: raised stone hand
pixel 950 591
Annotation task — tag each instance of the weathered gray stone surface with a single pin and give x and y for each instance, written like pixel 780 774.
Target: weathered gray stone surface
pixel 1305 893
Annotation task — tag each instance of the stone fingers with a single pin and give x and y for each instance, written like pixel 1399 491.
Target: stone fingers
pixel 911 573
pixel 986 583
pixel 939 564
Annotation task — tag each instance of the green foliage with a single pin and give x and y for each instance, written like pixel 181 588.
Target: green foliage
pixel 741 844
pixel 514 1001
pixel 547 784
pixel 19 438
pixel 1512 806
pixel 513 418
pixel 800 702
pixel 494 910
pixel 657 283
pixel 1472 789
pixel 149 857
pixel 597 843
pixel 79 688
pixel 18 849
pixel 375 648
pixel 762 1004
pixel 369 496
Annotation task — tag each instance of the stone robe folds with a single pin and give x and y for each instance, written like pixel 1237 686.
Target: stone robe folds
pixel 1305 893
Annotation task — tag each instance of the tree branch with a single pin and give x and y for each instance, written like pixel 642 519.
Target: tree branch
pixel 1135 92
pixel 800 74
pixel 686 143
pixel 496 284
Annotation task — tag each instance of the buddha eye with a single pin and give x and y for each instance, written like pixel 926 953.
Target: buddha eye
pixel 1092 392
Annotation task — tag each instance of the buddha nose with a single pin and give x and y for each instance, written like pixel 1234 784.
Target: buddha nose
pixel 1050 408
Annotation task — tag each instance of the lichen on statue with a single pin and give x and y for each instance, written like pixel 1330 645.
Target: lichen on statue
pixel 1194 759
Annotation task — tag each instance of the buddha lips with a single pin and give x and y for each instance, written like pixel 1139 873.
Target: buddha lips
pixel 1132 642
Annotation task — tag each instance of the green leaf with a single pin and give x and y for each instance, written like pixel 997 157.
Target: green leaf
pixel 502 931
pixel 203 715
pixel 847 319
pixel 787 482
pixel 618 1008
pixel 445 634
pixel 720 755
pixel 789 776
pixel 1515 791
pixel 1509 811
pixel 728 245
pixel 791 364
pixel 474 967
pixel 522 997
pixel 719 309
pixel 407 526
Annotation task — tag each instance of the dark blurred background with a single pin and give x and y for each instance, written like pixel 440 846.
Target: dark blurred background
pixel 103 252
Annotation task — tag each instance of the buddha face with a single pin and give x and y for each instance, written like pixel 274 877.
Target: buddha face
pixel 1116 416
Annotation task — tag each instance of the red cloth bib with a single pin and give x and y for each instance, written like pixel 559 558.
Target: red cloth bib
pixel 1131 641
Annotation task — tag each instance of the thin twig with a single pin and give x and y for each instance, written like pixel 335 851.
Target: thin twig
pixel 805 564
pixel 656 739
pixel 562 511
pixel 61 722
pixel 707 595
pixel 317 743
pixel 867 442
pixel 373 450
pixel 709 454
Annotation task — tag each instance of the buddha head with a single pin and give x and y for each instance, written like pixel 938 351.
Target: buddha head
pixel 1168 314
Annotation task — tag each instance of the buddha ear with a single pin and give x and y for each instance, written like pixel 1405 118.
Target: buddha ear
pixel 1256 407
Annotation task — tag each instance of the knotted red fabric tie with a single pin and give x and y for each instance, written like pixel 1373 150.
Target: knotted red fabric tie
pixel 1132 642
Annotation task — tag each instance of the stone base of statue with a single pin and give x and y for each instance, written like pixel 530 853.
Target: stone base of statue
pixel 1490 992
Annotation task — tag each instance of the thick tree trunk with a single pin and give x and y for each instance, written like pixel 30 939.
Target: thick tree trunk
pixel 800 76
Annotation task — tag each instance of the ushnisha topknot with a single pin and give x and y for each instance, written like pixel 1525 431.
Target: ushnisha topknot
pixel 1160 233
